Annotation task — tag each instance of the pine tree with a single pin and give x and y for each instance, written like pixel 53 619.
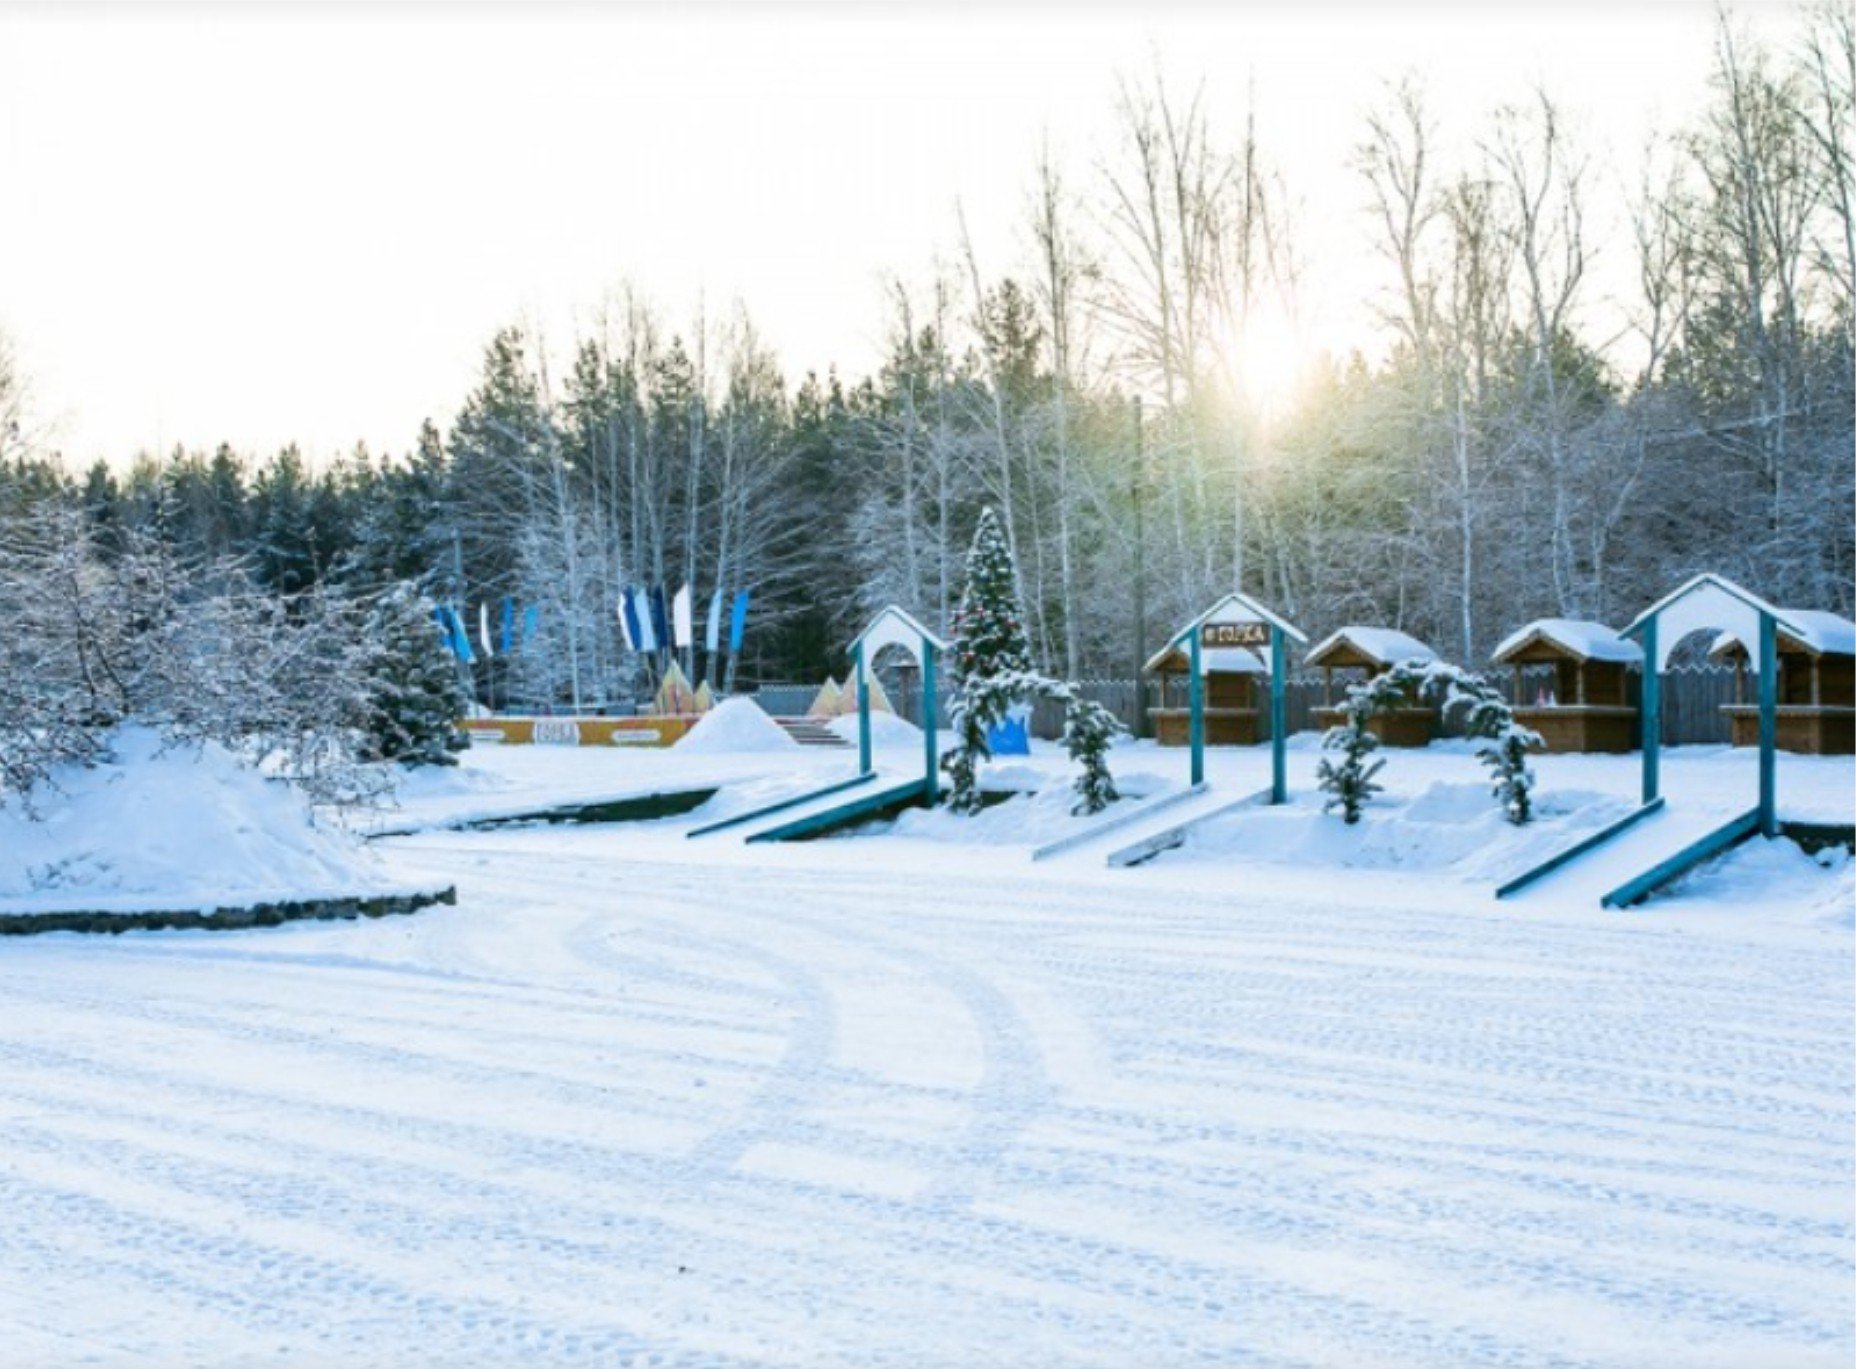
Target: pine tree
pixel 416 694
pixel 992 659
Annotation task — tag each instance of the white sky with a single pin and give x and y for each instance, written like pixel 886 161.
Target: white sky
pixel 305 225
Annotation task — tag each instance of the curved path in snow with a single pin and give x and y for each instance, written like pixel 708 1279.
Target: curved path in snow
pixel 633 1103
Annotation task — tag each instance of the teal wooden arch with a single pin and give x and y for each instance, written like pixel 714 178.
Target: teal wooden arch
pixel 1240 622
pixel 893 627
pixel 1711 602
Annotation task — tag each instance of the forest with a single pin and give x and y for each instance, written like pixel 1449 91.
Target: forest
pixel 1521 447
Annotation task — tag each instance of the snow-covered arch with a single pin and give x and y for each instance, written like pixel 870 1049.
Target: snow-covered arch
pixel 895 628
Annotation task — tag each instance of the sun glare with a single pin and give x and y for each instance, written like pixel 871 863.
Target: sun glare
pixel 1270 358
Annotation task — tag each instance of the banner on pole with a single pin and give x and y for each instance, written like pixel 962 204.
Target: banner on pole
pixel 680 610
pixel 712 636
pixel 660 618
pixel 644 620
pixel 738 625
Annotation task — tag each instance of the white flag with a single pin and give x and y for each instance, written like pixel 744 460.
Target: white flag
pixel 713 637
pixel 483 630
pixel 680 611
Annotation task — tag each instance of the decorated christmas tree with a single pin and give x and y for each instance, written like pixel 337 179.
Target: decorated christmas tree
pixel 992 660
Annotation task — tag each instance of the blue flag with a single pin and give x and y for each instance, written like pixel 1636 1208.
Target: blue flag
pixel 641 619
pixel 531 619
pixel 628 620
pixel 460 638
pixel 739 623
pixel 509 623
pixel 660 617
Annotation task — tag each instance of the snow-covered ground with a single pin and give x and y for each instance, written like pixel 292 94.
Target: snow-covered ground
pixel 1285 1096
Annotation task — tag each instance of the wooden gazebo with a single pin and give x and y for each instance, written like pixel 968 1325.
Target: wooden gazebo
pixel 1231 675
pixel 1373 651
pixel 1816 684
pixel 1587 707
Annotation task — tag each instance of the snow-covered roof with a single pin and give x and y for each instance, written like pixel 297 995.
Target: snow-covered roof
pixel 1820 632
pixel 1382 645
pixel 1213 660
pixel 1587 640
pixel 1706 602
pixel 893 627
pixel 1239 608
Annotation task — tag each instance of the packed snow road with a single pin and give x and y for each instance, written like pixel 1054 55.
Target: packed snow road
pixel 637 1101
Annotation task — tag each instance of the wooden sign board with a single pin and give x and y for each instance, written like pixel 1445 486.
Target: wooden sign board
pixel 1234 634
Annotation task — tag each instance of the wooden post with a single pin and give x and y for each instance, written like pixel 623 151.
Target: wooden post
pixel 1817 691
pixel 863 714
pixel 1578 676
pixel 928 711
pixel 1652 713
pixel 1195 693
pixel 1279 717
pixel 1768 725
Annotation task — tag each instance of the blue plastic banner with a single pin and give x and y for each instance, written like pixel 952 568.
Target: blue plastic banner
pixel 739 624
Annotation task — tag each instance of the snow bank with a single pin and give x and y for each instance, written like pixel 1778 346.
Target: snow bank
pixel 733 726
pixel 886 729
pixel 1764 877
pixel 171 829
pixel 1455 826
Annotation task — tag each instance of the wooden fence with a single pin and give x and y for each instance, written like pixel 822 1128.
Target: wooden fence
pixel 1692 700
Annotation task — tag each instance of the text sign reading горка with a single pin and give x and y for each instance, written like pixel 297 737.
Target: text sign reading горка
pixel 1234 634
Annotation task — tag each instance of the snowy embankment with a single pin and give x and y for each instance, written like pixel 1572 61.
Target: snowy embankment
pixel 169 827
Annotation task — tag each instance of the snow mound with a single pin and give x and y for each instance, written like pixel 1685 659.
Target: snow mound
pixel 733 726
pixel 886 729
pixel 1765 877
pixel 164 828
pixel 1447 826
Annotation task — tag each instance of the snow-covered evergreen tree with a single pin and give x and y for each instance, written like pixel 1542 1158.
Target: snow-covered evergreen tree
pixel 415 696
pixel 992 660
pixel 1089 730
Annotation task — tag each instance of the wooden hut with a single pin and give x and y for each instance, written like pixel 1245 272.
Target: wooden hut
pixel 1372 651
pixel 1816 685
pixel 1587 706
pixel 1231 675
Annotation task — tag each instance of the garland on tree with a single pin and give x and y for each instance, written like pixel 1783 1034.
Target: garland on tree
pixel 1484 714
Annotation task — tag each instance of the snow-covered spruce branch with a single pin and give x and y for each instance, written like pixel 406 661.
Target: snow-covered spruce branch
pixel 1460 695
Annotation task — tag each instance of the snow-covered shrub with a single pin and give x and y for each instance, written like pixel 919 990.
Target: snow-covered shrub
pixel 1349 784
pixel 1089 730
pixel 1472 701
pixel 195 651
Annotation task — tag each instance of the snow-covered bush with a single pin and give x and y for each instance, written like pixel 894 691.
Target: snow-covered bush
pixel 1349 784
pixel 1089 730
pixel 135 633
pixel 1476 705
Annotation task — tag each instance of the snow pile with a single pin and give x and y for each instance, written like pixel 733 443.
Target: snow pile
pixel 1760 877
pixel 886 730
pixel 1446 826
pixel 173 829
pixel 733 726
pixel 1041 809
